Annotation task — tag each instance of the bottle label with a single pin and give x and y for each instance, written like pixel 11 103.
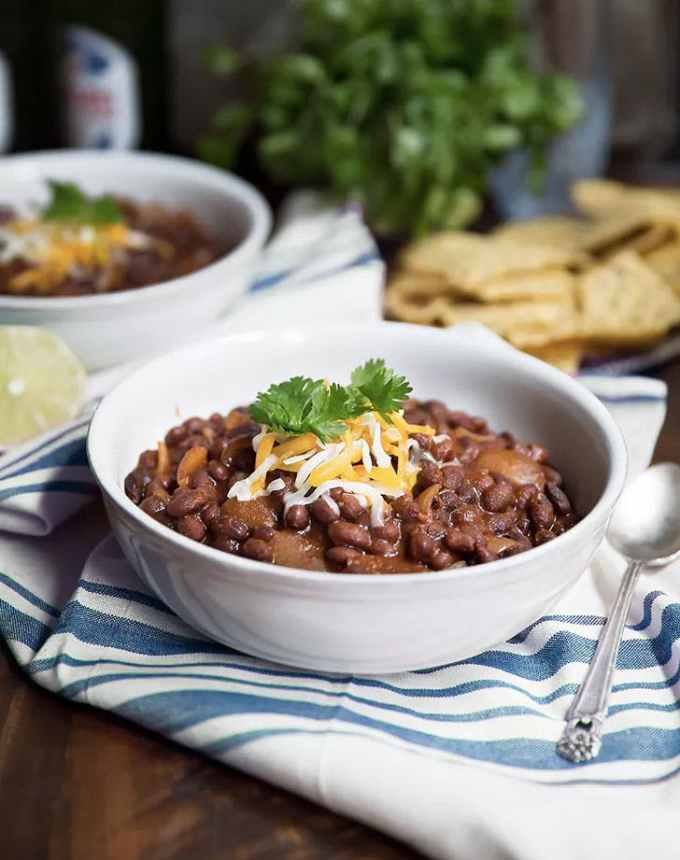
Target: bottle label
pixel 101 92
pixel 6 105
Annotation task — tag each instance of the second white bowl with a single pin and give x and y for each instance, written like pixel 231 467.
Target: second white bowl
pixel 117 327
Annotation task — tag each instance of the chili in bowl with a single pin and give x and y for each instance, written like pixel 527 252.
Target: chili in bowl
pixel 366 482
pixel 335 522
pixel 123 253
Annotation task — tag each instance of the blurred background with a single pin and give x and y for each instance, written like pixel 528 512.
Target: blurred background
pixel 209 78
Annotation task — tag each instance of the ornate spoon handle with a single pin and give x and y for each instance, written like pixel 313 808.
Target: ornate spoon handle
pixel 582 737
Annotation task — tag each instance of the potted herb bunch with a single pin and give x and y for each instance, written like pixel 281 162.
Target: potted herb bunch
pixel 404 106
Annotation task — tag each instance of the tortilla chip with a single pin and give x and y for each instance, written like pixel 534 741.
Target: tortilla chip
pixel 467 260
pixel 597 197
pixel 604 199
pixel 624 302
pixel 560 230
pixel 524 324
pixel 544 285
pixel 665 261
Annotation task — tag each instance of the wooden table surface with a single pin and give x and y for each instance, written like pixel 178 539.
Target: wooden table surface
pixel 81 784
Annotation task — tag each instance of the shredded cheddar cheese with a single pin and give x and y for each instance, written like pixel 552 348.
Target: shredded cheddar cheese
pixel 55 250
pixel 373 459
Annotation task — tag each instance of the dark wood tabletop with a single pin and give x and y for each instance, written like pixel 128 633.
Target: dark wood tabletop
pixel 81 784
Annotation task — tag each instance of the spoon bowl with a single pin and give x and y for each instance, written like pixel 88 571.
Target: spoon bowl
pixel 645 526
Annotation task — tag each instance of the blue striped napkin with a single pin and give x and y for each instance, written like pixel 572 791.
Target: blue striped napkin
pixel 459 760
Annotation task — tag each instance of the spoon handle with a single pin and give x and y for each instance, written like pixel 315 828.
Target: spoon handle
pixel 582 737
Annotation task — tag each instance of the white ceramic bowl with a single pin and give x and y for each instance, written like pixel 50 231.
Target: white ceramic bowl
pixel 117 327
pixel 361 623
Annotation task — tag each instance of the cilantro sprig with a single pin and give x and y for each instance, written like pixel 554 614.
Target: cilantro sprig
pixel 303 405
pixel 69 203
pixel 382 388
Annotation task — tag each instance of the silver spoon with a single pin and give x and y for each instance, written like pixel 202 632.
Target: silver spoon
pixel 645 528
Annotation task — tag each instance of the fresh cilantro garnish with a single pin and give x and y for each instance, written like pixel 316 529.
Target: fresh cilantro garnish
pixel 69 203
pixel 385 391
pixel 304 405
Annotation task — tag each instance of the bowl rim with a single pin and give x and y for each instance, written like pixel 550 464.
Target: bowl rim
pixel 599 414
pixel 239 190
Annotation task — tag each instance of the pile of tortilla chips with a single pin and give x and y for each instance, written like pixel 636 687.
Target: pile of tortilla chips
pixel 558 287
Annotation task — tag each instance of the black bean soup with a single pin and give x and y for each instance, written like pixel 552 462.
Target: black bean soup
pixel 151 244
pixel 478 496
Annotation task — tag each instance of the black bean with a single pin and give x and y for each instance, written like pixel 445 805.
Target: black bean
pixel 192 526
pixel 421 545
pixel 176 434
pixel 389 531
pixel 449 499
pixel 469 450
pixel 148 460
pixel 468 422
pixel 230 527
pixel 466 516
pixel 342 533
pixel 210 513
pixel 444 450
pixel 498 497
pixel 500 524
pixel 350 507
pixel 225 544
pixel 552 476
pixel 265 533
pixel 407 509
pixel 466 492
pixel 559 498
pixel 342 555
pixel 484 554
pixel 441 559
pixel 153 506
pixel 323 512
pixel 482 481
pixel 425 442
pixel 541 511
pixel 524 495
pixel 452 477
pixel 543 536
pixel 258 550
pixel 187 501
pixel 133 488
pixel 297 517
pixel 218 470
pixel 429 474
pixel 379 546
pixel 158 486
pixel 459 542
pixel 201 478
pixel 194 425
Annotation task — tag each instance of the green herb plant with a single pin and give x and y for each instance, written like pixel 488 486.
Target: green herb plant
pixel 303 405
pixel 402 105
pixel 69 203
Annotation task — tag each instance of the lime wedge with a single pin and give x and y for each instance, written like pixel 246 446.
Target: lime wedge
pixel 42 383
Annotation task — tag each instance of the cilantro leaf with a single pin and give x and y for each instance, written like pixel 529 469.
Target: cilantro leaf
pixel 381 386
pixel 304 405
pixel 69 203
